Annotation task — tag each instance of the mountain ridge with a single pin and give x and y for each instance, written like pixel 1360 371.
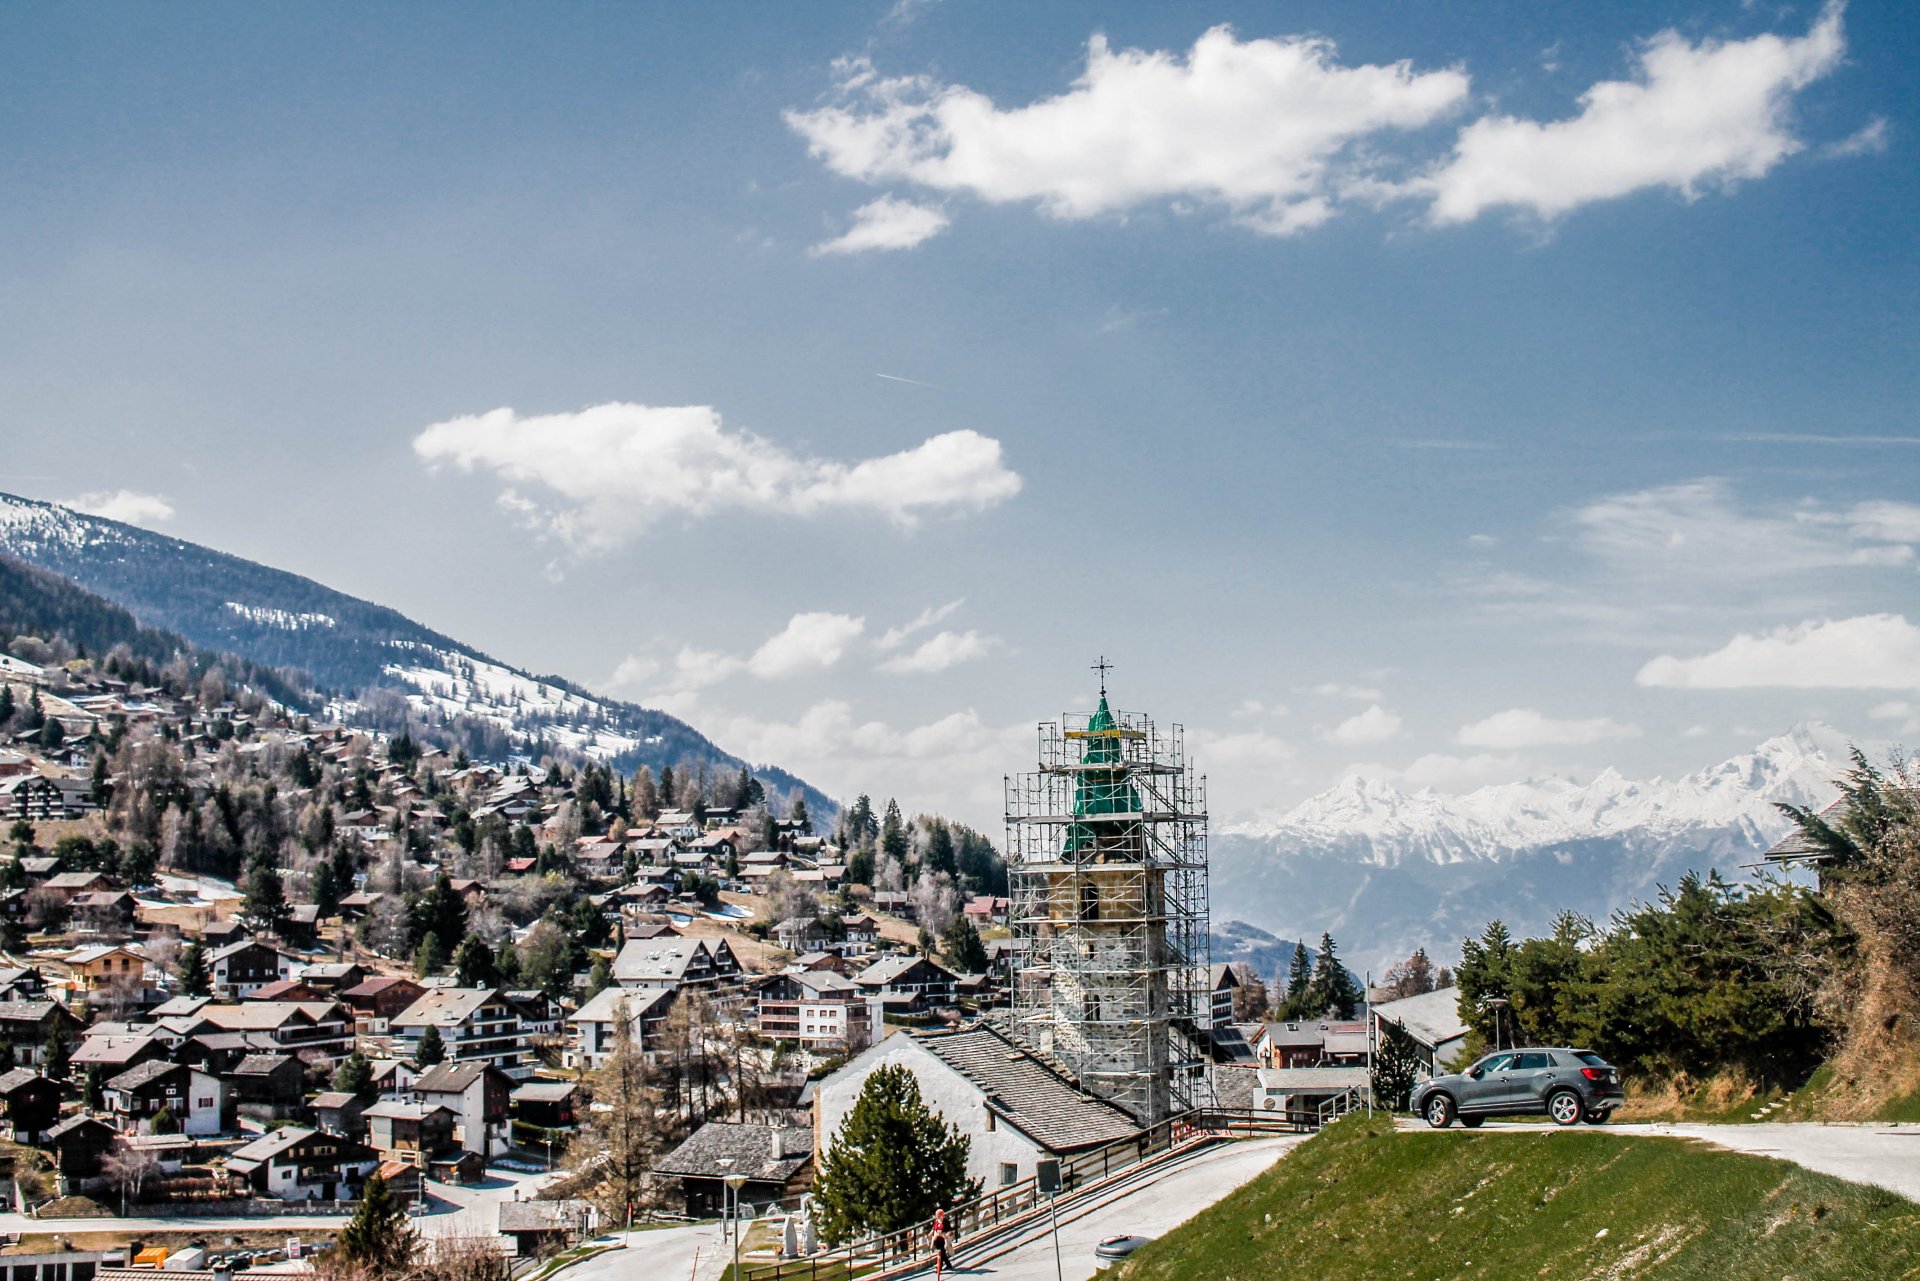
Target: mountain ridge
pixel 376 666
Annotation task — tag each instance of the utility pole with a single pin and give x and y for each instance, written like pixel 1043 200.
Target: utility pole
pixel 1369 995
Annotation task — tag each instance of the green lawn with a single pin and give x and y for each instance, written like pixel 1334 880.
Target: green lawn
pixel 1361 1202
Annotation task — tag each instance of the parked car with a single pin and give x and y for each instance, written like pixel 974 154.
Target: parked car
pixel 1568 1085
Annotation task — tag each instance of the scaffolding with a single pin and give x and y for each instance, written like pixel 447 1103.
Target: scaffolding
pixel 1107 862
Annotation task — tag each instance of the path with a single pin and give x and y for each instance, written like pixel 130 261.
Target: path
pixel 657 1254
pixel 1884 1155
pixel 1149 1208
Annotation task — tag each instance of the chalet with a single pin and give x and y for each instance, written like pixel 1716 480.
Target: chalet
pixel 1432 1021
pixel 593 1024
pixel 862 934
pixel 333 977
pixel 540 1014
pixel 818 1009
pixel 377 1000
pixel 107 1055
pixel 70 885
pixel 37 870
pixel 268 1087
pixel 287 990
pixel 476 1024
pixel 322 1026
pixel 985 910
pixel 338 1112
pixel 295 1163
pixel 540 1228
pixel 1014 1108
pixel 801 934
pixel 667 964
pixel 477 1095
pixel 1222 983
pixel 102 966
pixel 414 1133
pixel 301 928
pixel 546 1105
pixel 33 798
pixel 79 1145
pixel 895 903
pixel 775 1161
pixel 357 904
pixel 1304 1093
pixel 25 1026
pixel 196 1100
pixel 102 912
pixel 908 984
pixel 239 969
pixel 1312 1043
pixel 32 1104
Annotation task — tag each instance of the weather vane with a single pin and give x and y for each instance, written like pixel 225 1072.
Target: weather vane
pixel 1103 667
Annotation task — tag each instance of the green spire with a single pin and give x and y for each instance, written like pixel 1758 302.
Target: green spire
pixel 1100 791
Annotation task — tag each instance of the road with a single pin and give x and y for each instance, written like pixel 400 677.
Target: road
pixel 658 1254
pixel 1151 1208
pixel 452 1211
pixel 1886 1156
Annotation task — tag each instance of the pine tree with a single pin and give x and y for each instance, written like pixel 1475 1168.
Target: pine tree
pixel 326 890
pixel 377 1238
pixel 193 976
pixel 7 706
pixel 893 1163
pixel 965 952
pixel 893 835
pixel 164 1121
pixel 428 957
pixel 1299 978
pixel 1395 1065
pixel 666 788
pixel 599 978
pixel 354 1075
pixel 1333 990
pixel 54 1058
pixel 433 1048
pixel 939 851
pixel 266 896
pixel 473 962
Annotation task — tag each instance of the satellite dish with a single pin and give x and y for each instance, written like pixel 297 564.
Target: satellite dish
pixel 1269 1104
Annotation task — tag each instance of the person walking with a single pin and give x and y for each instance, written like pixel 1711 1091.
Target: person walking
pixel 940 1242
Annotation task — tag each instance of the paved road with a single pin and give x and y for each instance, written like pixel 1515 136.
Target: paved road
pixel 661 1254
pixel 1151 1209
pixel 1886 1156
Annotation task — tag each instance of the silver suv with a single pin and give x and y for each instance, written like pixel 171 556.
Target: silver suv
pixel 1568 1085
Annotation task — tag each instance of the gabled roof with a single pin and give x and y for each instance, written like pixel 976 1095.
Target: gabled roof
pixel 445 1007
pixel 1026 1093
pixel 606 1005
pixel 890 968
pixel 721 1148
pixel 659 958
pixel 261 1064
pixel 1432 1018
pixel 18 1078
pixel 450 1078
pixel 135 1077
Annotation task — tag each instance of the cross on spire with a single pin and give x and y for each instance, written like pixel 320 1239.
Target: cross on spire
pixel 1103 667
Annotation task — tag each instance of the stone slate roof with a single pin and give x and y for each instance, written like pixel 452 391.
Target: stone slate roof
pixel 1029 1095
pixel 138 1075
pixel 720 1148
pixel 1432 1018
pixel 448 1078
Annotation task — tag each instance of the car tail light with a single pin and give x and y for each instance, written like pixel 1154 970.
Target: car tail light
pixel 1593 1074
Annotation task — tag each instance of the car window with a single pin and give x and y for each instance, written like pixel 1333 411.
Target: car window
pixel 1533 1062
pixel 1589 1058
pixel 1496 1063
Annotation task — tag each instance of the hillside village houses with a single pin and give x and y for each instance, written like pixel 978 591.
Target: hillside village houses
pixel 293 954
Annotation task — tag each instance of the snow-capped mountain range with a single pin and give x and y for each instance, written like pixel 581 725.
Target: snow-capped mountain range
pixel 372 665
pixel 1387 870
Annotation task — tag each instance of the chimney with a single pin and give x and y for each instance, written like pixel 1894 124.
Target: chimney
pixel 223 1272
pixel 779 1144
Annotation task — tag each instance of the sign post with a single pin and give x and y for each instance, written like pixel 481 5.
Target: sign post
pixel 1046 1178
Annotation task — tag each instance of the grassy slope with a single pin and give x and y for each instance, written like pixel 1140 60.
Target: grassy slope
pixel 1362 1203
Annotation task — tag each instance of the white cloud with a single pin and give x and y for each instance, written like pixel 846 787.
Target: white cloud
pixel 1695 731
pixel 810 642
pixel 1873 651
pixel 1482 540
pixel 1868 140
pixel 607 473
pixel 1264 128
pixel 1252 707
pixel 1375 725
pixel 123 505
pixel 1524 727
pixel 1697 115
pixel 940 651
pixel 1335 689
pixel 1445 772
pixel 633 672
pixel 887 223
pixel 1887 521
pixel 1893 711
pixel 896 636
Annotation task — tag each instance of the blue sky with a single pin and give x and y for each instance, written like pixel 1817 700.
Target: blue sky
pixel 1457 393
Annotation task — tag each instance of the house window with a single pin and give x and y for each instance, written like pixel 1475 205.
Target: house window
pixel 1009 1174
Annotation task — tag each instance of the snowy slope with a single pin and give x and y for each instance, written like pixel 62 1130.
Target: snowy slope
pixel 1388 870
pixel 373 661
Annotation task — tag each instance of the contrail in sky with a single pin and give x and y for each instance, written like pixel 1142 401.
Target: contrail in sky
pixel 895 378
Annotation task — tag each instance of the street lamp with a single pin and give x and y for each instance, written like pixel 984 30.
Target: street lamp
pixel 736 1182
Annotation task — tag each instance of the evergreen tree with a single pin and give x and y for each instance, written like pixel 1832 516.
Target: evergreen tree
pixel 893 1163
pixel 938 856
pixel 51 735
pixel 92 1090
pixel 798 813
pixel 377 1238
pixel 1396 1063
pixel 893 835
pixel 429 956
pixel 666 788
pixel 354 1075
pixel 599 978
pixel 1299 979
pixel 266 900
pixel 55 1061
pixel 326 890
pixel 193 976
pixel 1333 990
pixel 473 962
pixel 164 1121
pixel 433 1048
pixel 7 705
pixel 965 952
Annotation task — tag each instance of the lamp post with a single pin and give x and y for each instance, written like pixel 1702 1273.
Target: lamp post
pixel 736 1182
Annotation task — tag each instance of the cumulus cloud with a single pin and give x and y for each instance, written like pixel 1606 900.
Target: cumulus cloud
pixel 1336 689
pixel 633 672
pixel 940 651
pixel 1696 115
pixel 894 637
pixel 1873 651
pixel 1525 727
pixel 600 477
pixel 1262 128
pixel 887 223
pixel 1375 725
pixel 123 505
pixel 810 642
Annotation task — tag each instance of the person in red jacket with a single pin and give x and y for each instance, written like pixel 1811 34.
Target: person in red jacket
pixel 940 1239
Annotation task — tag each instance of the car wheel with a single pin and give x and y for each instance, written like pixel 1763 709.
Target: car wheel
pixel 1564 1107
pixel 1596 1116
pixel 1439 1111
pixel 1473 1122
